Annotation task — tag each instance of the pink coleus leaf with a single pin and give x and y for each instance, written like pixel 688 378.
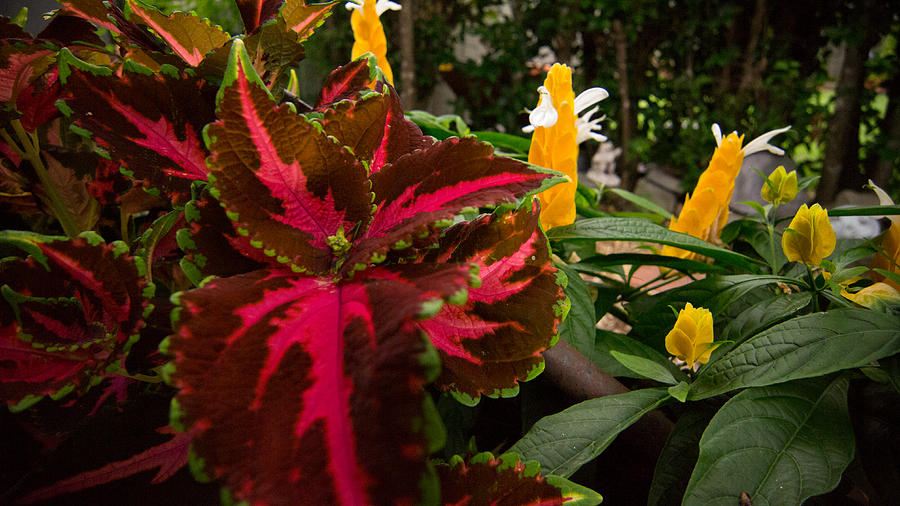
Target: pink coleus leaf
pixel 430 185
pixel 71 309
pixel 483 480
pixel 151 124
pixel 303 390
pixel 37 102
pixel 348 81
pixel 295 192
pixel 186 34
pixel 108 15
pixel 304 19
pixel 168 457
pixel 21 62
pixel 257 12
pixel 495 339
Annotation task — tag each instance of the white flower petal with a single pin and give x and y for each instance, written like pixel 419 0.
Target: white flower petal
pixel 717 133
pixel 885 200
pixel 761 143
pixel 528 129
pixel 354 5
pixel 588 129
pixel 544 115
pixel 383 5
pixel 588 98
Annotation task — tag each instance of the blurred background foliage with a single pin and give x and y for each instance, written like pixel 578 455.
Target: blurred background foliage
pixel 829 68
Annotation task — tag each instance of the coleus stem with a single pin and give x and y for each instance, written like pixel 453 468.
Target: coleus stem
pixel 28 148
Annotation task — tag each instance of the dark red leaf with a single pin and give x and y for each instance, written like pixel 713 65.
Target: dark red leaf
pixel 485 480
pixel 257 12
pixel 10 30
pixel 291 189
pixel 37 102
pixel 495 340
pixel 211 244
pixel 169 457
pixel 302 390
pixel 348 81
pixel 150 124
pixel 108 15
pixel 68 30
pixel 72 309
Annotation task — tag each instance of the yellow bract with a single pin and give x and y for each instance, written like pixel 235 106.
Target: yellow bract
pixel 555 147
pixel 780 187
pixel 809 238
pixel 691 339
pixel 706 211
pixel 368 35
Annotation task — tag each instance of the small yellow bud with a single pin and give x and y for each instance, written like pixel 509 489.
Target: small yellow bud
pixel 691 339
pixel 779 186
pixel 809 238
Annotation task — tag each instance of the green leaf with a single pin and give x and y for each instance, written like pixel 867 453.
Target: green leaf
pixel 563 442
pixel 865 211
pixel 645 368
pixel 766 313
pixel 602 263
pixel 505 142
pixel 641 202
pixel 680 391
pixel 779 444
pixel 676 461
pixel 803 347
pixel 578 327
pixel 635 229
pixel 606 342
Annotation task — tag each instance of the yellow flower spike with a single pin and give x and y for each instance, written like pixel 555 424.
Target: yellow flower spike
pixel 368 33
pixel 705 212
pixel 557 132
pixel 809 238
pixel 691 339
pixel 780 187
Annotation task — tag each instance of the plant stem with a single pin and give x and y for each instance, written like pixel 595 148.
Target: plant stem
pixel 770 227
pixel 30 150
pixel 812 284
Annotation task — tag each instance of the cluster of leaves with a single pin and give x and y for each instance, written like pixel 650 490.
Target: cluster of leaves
pixel 313 275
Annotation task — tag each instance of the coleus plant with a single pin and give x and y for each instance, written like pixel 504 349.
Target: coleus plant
pixel 328 275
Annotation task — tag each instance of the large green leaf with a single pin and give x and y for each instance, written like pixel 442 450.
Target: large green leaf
pixel 606 342
pixel 764 313
pixel 563 442
pixel 803 347
pixel 604 263
pixel 675 463
pixel 779 444
pixel 578 327
pixel 635 229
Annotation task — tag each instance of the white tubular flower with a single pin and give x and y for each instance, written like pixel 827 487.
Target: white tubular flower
pixel 380 6
pixel 588 128
pixel 544 115
pixel 885 200
pixel 761 143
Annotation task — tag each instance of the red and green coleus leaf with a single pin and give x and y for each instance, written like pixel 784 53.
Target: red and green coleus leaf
pixel 296 193
pixel 303 19
pixel 72 309
pixel 483 479
pixel 211 245
pixel 21 63
pixel 348 81
pixel 495 339
pixel 150 123
pixel 109 16
pixel 432 185
pixel 186 34
pixel 257 12
pixel 303 390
